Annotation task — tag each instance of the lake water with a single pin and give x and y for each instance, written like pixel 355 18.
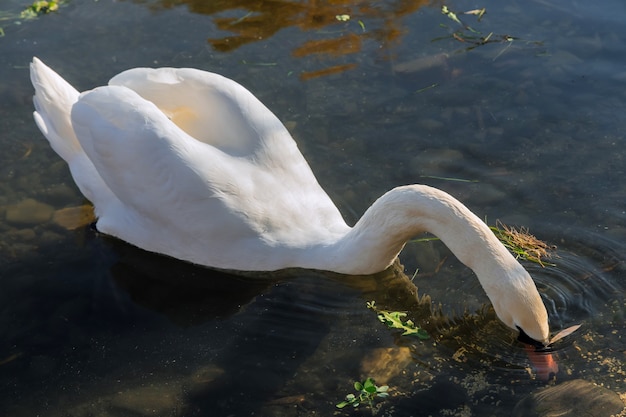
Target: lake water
pixel 521 117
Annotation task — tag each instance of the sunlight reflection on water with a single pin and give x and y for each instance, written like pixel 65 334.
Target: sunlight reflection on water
pixel 102 329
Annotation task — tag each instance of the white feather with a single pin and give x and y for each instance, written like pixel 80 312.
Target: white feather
pixel 190 164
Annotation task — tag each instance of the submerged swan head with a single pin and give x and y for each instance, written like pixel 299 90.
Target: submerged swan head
pixel 190 164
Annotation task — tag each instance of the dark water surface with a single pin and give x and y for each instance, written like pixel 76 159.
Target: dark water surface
pixel 526 129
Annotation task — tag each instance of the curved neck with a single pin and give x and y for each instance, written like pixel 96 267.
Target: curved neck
pixel 404 212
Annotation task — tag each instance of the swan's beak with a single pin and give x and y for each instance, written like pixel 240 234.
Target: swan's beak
pixel 524 338
pixel 540 356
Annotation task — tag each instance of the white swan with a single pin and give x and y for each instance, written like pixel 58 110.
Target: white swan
pixel 190 164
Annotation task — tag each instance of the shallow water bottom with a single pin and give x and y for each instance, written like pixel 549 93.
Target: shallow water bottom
pixel 153 336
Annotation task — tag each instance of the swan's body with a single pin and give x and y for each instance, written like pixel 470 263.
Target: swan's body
pixel 190 164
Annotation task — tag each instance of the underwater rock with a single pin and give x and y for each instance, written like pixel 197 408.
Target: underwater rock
pixel 570 399
pixel 431 125
pixel 204 376
pixel 157 399
pixel 60 194
pixel 21 235
pixel 437 162
pixel 438 62
pixel 385 363
pixel 489 193
pixel 72 218
pixel 28 212
pixel 48 237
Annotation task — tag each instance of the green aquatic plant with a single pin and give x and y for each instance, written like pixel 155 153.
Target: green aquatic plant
pixel 395 320
pixel 479 13
pixel 465 33
pixel 367 392
pixel 40 7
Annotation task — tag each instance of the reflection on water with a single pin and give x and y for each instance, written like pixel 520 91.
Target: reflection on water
pixel 93 327
pixel 338 28
pixel 184 293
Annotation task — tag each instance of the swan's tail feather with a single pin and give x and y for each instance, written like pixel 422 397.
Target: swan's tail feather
pixel 54 99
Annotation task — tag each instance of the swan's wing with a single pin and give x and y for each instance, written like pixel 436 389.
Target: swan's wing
pixel 222 113
pixel 208 106
pixel 151 165
pixel 188 199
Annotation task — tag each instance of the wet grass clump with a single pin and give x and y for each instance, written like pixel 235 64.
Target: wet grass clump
pixel 522 244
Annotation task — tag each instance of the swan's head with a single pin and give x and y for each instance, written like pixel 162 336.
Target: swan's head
pixel 518 304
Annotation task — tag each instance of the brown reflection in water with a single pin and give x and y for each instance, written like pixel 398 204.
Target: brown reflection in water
pixel 256 20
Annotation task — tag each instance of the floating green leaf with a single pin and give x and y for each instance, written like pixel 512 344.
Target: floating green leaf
pixel 477 12
pixel 395 320
pixel 471 36
pixel 450 14
pixel 39 7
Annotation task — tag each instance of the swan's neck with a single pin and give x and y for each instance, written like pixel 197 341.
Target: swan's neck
pixel 375 241
pixel 404 212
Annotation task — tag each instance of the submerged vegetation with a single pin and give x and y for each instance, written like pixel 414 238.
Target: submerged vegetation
pixel 367 392
pixel 394 320
pixel 37 8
